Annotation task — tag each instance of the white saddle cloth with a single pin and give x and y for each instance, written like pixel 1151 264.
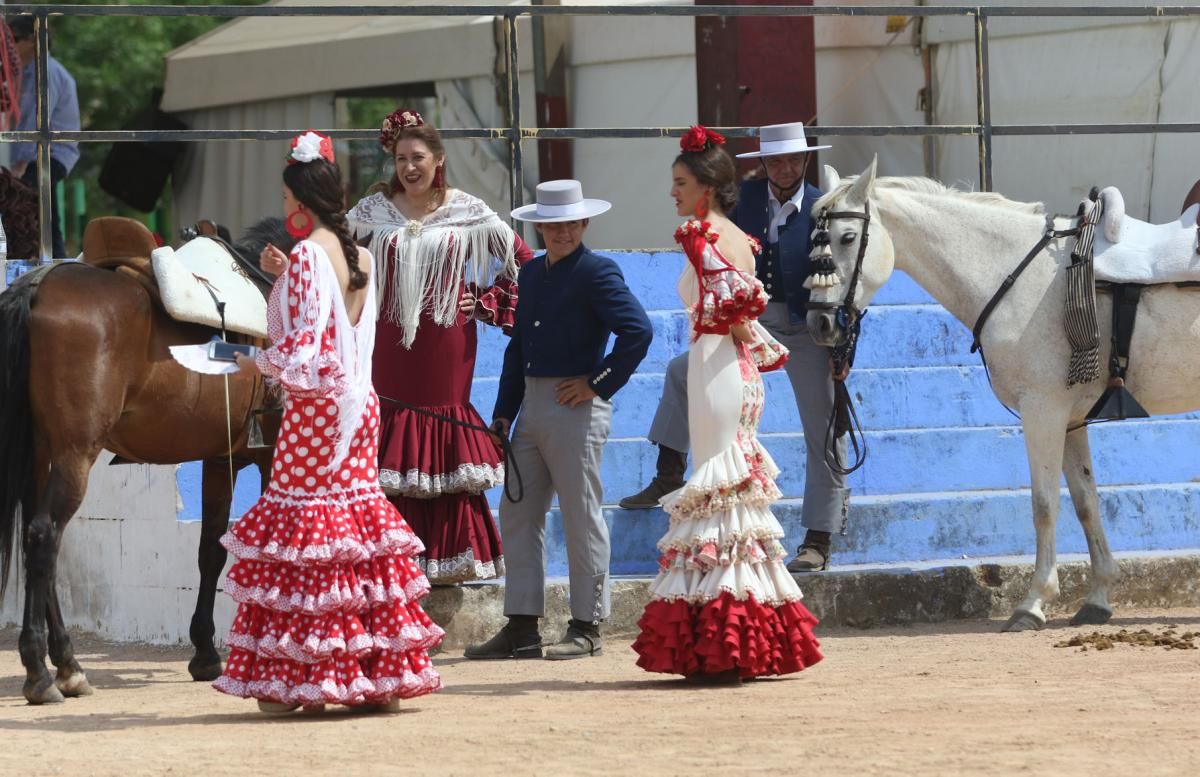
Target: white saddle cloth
pixel 1147 253
pixel 200 266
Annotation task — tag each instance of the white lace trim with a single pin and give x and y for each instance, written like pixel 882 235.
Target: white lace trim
pixel 461 568
pixel 344 549
pixel 314 650
pixel 343 599
pixel 769 582
pixel 361 691
pixel 469 478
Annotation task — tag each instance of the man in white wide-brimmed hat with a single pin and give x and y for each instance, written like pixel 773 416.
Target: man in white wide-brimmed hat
pixel 774 207
pixel 556 373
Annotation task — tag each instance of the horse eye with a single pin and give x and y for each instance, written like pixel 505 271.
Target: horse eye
pixel 849 237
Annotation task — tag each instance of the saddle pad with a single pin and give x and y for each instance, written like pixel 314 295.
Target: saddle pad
pixel 1150 253
pixel 201 270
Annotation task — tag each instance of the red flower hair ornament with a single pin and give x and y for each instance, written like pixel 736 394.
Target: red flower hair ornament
pixel 396 121
pixel 309 147
pixel 699 139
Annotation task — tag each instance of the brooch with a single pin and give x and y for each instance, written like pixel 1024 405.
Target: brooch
pixel 413 228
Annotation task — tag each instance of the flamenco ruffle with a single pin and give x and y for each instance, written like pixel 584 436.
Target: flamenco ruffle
pixel 316 590
pixel 460 537
pixel 426 457
pixel 726 633
pixel 740 522
pixel 339 680
pixel 757 573
pixel 730 297
pixel 341 527
pixel 735 476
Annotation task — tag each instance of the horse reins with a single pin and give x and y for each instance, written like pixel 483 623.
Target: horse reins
pixel 510 461
pixel 843 420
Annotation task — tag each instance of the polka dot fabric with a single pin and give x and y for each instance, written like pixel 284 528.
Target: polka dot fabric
pixel 327 587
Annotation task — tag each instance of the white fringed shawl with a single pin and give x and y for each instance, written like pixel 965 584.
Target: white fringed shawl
pixel 424 263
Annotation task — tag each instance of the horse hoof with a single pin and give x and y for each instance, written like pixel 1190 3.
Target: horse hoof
pixel 205 672
pixel 42 691
pixel 1091 615
pixel 1023 620
pixel 75 685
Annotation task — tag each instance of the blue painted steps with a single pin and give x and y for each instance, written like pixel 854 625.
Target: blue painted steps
pixel 946 476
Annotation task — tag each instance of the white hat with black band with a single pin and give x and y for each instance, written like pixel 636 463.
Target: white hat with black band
pixel 561 200
pixel 777 139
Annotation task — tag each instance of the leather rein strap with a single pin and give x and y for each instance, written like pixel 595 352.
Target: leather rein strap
pixel 843 420
pixel 1049 234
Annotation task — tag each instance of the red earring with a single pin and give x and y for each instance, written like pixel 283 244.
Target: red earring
pixel 702 208
pixel 439 178
pixel 299 224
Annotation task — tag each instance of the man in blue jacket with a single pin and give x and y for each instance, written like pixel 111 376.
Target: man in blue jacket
pixel 557 375
pixel 775 208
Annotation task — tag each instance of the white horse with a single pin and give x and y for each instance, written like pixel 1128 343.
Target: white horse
pixel 959 247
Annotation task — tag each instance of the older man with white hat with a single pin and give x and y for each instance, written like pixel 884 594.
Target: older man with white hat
pixel 557 375
pixel 775 208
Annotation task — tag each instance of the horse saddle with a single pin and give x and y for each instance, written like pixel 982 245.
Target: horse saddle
pixel 1129 250
pixel 200 283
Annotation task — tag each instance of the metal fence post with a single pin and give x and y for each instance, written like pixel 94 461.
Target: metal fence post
pixel 984 99
pixel 516 180
pixel 45 186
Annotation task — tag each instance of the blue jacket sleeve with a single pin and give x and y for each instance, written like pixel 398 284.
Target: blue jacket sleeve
pixel 511 391
pixel 624 316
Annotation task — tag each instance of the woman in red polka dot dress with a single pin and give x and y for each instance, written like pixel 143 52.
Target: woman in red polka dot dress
pixel 325 579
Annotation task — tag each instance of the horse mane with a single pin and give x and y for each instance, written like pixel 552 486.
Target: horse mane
pixel 921 185
pixel 255 239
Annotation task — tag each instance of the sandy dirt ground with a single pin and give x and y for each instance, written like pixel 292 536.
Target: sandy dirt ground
pixel 952 699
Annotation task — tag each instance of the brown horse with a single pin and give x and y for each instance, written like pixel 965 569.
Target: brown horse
pixel 87 368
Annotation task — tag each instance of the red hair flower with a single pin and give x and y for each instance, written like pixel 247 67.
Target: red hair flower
pixel 309 147
pixel 699 138
pixel 396 121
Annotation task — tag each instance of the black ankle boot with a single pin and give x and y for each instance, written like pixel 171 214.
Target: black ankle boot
pixel 519 638
pixel 668 477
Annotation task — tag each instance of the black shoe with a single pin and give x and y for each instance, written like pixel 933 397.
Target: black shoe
pixel 509 642
pixel 648 497
pixel 581 641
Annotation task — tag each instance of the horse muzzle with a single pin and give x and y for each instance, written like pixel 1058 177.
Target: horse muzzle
pixel 824 327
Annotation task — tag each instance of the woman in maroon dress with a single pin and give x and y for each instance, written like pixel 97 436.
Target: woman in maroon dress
pixel 444 260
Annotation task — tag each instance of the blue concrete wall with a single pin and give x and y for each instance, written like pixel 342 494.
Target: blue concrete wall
pixel 946 476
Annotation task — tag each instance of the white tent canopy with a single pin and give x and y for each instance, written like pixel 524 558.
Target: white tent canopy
pixel 268 73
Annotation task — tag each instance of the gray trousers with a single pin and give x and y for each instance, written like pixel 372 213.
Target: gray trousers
pixel 557 449
pixel 825 494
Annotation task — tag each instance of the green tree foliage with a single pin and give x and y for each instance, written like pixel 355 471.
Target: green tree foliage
pixel 117 62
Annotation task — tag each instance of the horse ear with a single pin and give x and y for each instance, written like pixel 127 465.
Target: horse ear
pixel 832 179
pixel 862 185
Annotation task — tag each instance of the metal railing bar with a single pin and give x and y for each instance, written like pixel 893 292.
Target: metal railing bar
pixel 590 133
pixel 349 10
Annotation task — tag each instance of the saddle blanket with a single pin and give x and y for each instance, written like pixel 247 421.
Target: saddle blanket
pixel 1128 250
pixel 194 279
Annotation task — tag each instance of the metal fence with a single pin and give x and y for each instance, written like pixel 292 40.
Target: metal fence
pixel 515 132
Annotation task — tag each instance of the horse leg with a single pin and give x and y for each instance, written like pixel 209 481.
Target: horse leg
pixel 70 679
pixel 60 499
pixel 216 497
pixel 1044 441
pixel 1077 466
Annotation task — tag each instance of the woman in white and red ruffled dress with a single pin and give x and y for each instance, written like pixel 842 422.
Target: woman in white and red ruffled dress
pixel 723 605
pixel 444 260
pixel 324 574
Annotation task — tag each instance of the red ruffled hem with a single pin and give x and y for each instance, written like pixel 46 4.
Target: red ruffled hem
pixel 338 680
pixel 724 634
pixel 412 442
pixel 460 538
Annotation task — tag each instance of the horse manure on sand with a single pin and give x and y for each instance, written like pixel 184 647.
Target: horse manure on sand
pixel 1168 639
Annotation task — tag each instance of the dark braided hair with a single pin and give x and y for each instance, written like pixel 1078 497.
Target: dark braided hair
pixel 318 186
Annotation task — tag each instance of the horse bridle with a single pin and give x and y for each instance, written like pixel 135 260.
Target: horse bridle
pixel 848 315
pixel 844 419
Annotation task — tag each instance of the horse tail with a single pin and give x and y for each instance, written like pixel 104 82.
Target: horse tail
pixel 16 419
